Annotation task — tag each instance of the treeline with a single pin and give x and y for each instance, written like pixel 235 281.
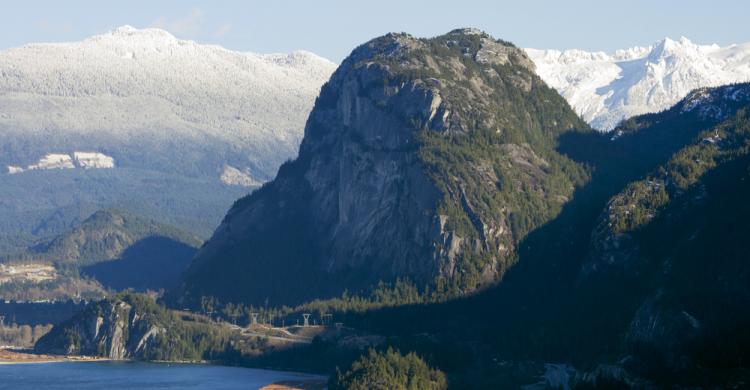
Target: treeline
pixel 22 335
pixel 36 313
pixel 187 338
pixel 323 311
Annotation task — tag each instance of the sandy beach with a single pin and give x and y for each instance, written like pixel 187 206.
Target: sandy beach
pixel 312 384
pixel 21 356
pixel 18 356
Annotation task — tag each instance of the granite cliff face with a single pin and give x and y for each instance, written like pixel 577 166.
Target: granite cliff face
pixel 423 159
pixel 131 326
pixel 111 328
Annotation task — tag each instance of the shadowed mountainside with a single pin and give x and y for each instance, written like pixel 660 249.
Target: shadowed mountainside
pixel 151 263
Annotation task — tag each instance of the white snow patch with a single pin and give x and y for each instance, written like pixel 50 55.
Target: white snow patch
pixel 85 160
pixel 12 169
pixel 53 161
pixel 89 160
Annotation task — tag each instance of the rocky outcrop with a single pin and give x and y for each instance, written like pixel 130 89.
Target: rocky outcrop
pixel 417 162
pixel 92 160
pixel 235 177
pixel 661 333
pixel 115 329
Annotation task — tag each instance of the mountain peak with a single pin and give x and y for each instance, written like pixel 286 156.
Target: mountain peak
pixel 681 41
pixel 468 31
pixel 124 29
pixel 373 169
pixel 468 42
pixel 129 33
pixel 607 88
pixel 128 30
pixel 668 47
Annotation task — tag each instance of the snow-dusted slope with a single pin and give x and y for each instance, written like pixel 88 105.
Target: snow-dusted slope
pixel 606 88
pixel 164 115
pixel 145 88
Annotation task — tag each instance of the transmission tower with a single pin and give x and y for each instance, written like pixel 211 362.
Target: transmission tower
pixel 306 316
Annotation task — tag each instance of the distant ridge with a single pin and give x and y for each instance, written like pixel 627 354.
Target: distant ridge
pixel 128 85
pixel 607 88
pixel 169 115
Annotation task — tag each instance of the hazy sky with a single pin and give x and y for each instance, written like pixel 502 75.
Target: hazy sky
pixel 333 28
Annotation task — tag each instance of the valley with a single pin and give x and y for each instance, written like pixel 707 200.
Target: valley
pixel 109 251
pixel 491 245
pixel 451 211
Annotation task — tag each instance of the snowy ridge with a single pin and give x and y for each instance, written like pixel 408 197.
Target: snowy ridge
pixel 114 90
pixel 713 102
pixel 607 88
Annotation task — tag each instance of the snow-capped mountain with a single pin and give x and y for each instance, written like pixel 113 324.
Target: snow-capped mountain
pixel 148 88
pixel 165 116
pixel 607 88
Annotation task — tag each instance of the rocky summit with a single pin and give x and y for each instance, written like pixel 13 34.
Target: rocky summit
pixel 423 159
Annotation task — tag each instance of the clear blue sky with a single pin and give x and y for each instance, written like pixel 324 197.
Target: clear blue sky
pixel 333 28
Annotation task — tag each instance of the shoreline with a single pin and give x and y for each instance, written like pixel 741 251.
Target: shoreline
pixel 16 356
pixel 310 384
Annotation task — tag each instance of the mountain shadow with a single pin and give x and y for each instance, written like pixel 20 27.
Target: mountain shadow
pixel 152 263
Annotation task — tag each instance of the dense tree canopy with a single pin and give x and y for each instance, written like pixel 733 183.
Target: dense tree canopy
pixel 389 370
